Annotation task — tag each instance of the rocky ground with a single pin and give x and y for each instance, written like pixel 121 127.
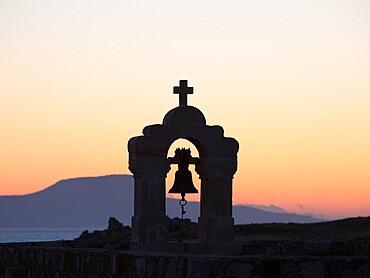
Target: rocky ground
pixel 118 236
pixel 329 249
pixel 352 231
pixel 346 229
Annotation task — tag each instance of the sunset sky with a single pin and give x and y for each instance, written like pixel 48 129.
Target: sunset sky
pixel 290 80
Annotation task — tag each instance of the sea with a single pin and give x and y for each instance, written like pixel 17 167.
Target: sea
pixel 35 235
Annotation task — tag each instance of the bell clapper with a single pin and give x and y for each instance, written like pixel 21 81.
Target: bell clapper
pixel 182 203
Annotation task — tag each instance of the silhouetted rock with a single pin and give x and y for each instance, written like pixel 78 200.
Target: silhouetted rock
pixel 114 224
pixel 116 236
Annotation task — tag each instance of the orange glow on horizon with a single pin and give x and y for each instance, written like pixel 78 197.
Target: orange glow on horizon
pixel 289 81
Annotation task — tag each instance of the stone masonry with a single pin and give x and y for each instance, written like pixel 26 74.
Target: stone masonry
pixel 149 164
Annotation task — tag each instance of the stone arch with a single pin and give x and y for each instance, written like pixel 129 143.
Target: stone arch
pixel 198 146
pixel 149 164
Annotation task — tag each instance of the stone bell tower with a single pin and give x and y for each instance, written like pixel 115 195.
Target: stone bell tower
pixel 216 166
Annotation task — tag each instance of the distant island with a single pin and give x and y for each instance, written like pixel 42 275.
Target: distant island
pixel 87 203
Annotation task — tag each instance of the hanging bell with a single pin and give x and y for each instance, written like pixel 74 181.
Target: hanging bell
pixel 183 182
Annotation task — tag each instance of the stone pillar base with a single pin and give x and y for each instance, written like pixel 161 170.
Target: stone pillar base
pixel 216 230
pixel 149 232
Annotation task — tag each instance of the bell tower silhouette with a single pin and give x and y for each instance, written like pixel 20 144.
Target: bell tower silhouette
pixel 216 166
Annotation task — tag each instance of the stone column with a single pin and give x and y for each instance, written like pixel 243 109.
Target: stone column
pixel 216 224
pixel 149 223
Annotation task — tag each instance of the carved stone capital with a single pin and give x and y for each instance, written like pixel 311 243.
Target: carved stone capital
pixel 148 165
pixel 224 168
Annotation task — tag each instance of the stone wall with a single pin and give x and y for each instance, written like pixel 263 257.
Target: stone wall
pixel 30 261
pixel 352 248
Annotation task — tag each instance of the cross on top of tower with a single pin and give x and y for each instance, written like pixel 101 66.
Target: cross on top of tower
pixel 183 90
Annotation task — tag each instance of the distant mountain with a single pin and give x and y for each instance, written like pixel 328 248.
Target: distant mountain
pixel 270 208
pixel 89 202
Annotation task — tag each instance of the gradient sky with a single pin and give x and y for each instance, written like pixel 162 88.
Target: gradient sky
pixel 290 80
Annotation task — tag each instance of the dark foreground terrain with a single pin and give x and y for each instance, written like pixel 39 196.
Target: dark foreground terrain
pixel 329 249
pixel 346 229
pixel 351 229
pixel 118 236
